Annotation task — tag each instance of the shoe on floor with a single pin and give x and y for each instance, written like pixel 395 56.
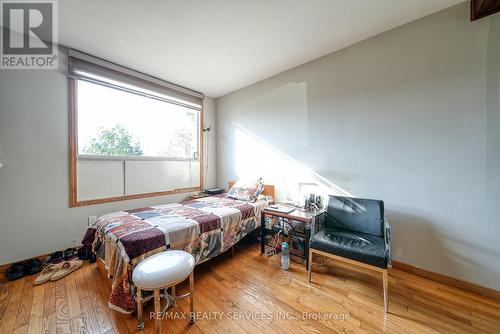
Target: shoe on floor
pixel 70 254
pixel 32 266
pixel 55 257
pixel 47 273
pixel 15 271
pixel 66 268
pixel 83 253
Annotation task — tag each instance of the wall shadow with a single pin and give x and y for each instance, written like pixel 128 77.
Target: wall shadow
pixel 414 238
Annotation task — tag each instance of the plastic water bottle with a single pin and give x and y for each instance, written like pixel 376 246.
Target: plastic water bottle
pixel 285 256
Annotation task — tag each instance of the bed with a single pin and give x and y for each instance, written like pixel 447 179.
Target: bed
pixel 204 227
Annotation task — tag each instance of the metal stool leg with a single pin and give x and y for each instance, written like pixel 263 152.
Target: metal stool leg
pixel 174 301
pixel 157 311
pixel 140 316
pixel 309 268
pixel 192 318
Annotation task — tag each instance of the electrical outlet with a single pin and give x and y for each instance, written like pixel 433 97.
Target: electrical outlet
pixel 92 220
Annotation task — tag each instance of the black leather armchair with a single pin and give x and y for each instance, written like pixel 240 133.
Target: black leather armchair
pixel 354 231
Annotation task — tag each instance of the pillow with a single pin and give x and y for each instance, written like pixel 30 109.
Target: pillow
pixel 246 189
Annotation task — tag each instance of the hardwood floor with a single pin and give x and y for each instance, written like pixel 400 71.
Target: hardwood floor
pixel 256 297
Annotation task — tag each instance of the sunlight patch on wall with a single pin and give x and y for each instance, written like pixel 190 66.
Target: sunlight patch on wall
pixel 257 158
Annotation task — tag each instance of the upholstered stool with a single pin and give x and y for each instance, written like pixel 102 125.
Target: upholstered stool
pixel 160 272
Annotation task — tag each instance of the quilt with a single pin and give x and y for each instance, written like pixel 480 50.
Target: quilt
pixel 204 227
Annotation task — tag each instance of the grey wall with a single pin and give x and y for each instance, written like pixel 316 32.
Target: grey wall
pixel 35 217
pixel 410 116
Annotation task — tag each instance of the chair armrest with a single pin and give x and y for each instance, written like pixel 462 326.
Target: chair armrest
pixel 387 240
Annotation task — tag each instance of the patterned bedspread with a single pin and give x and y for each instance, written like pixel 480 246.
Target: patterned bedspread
pixel 204 227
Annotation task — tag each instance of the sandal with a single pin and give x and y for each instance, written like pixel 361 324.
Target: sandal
pixel 67 268
pixel 47 273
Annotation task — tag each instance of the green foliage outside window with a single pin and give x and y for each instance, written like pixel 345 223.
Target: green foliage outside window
pixel 113 141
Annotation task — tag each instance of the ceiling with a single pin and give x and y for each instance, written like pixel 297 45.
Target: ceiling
pixel 219 46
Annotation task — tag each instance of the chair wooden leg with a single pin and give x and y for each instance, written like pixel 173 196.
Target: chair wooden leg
pixel 192 317
pixel 140 316
pixel 309 270
pixel 385 279
pixel 157 311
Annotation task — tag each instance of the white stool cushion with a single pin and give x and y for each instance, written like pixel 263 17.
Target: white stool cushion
pixel 163 269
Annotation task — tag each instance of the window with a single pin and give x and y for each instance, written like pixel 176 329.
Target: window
pixel 112 122
pixel 131 135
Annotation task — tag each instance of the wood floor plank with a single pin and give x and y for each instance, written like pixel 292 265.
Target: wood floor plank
pixel 49 318
pixel 238 304
pixel 5 291
pixel 77 325
pixel 206 303
pixel 209 325
pixel 274 290
pixel 263 300
pixel 99 305
pixel 36 315
pixel 10 314
pixel 118 324
pixel 62 308
pixel 49 298
pixel 21 330
pixel 232 325
pixel 249 284
pixel 81 285
pixel 24 311
pixel 49 323
pixel 90 318
pixel 73 299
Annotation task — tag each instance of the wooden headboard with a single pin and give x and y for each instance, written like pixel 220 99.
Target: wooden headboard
pixel 268 189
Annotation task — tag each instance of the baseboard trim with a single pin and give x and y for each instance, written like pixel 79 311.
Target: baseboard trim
pixel 455 282
pixel 4 267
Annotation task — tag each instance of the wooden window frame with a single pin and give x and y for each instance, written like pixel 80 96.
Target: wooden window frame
pixel 73 158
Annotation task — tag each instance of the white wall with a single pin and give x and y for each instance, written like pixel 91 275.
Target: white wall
pixel 410 116
pixel 35 217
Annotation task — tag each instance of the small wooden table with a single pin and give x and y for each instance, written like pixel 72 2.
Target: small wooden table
pixel 306 217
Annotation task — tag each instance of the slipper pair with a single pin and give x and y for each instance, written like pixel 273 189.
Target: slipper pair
pixel 55 272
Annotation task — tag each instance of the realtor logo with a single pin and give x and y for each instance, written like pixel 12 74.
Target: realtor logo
pixel 29 34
